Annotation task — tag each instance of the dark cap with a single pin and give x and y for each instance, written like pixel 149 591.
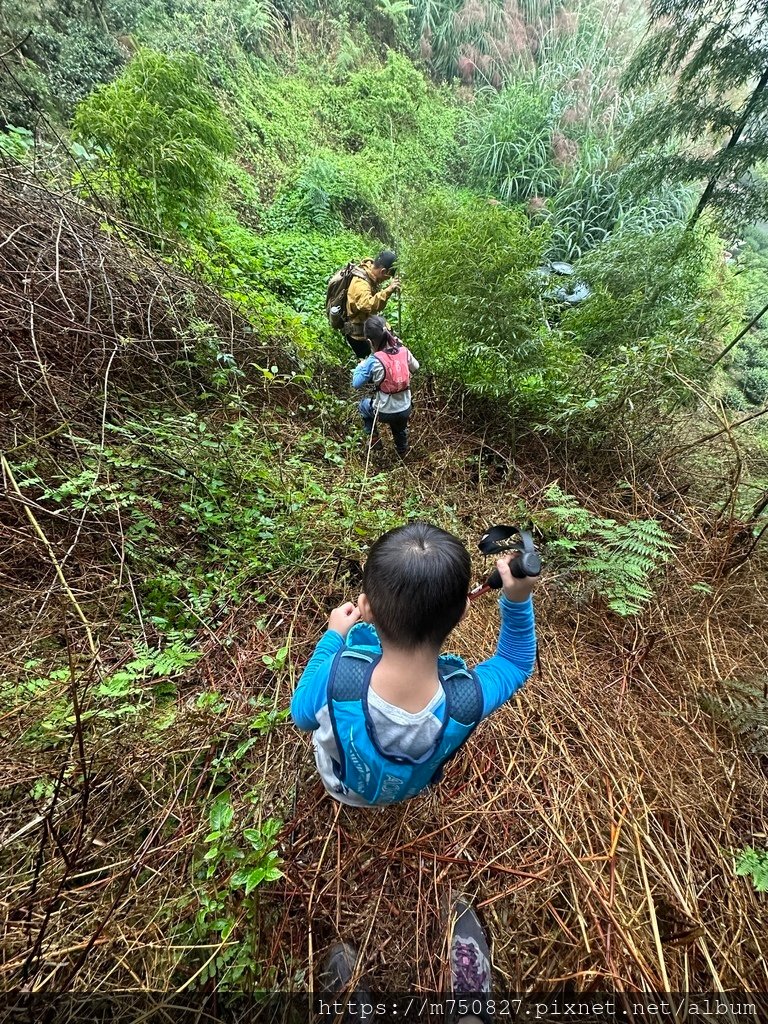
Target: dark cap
pixel 385 259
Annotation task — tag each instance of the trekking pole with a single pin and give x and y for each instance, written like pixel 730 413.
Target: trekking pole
pixel 499 539
pixel 496 541
pixel 368 454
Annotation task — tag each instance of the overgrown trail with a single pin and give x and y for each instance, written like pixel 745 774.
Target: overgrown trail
pixel 590 819
pixel 203 532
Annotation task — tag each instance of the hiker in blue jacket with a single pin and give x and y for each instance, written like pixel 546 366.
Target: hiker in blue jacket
pixel 388 369
pixel 386 709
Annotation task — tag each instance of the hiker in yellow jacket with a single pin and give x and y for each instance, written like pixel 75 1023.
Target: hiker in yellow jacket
pixel 366 297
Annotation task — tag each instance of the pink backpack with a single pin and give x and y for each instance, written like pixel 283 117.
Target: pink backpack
pixel 397 376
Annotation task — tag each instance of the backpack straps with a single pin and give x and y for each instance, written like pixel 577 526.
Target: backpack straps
pixel 464 705
pixel 349 681
pixel 350 675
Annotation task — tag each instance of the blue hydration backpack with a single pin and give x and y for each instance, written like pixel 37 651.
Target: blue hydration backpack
pixel 364 767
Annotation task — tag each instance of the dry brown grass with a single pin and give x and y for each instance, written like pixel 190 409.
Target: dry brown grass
pixel 593 820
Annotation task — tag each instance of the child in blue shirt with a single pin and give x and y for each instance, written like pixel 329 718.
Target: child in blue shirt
pixel 386 709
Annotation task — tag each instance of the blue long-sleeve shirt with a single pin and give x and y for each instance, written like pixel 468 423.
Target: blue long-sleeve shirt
pixel 403 732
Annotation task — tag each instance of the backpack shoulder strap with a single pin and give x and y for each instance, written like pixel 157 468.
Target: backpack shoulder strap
pixel 347 684
pixel 349 675
pixel 463 696
pixel 464 705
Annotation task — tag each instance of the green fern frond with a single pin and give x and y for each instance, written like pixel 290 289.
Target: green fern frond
pixel 753 864
pixel 743 709
pixel 614 560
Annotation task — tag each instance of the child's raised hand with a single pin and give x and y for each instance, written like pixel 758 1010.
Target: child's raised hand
pixel 514 589
pixel 343 618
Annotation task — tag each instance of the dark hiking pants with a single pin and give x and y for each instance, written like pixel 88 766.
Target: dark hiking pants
pixel 397 422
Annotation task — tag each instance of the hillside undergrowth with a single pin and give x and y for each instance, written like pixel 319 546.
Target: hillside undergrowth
pixel 188 492
pixel 172 560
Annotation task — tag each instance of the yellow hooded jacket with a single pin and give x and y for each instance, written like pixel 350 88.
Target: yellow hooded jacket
pixel 363 300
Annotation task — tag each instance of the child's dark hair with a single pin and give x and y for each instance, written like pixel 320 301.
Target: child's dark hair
pixel 377 333
pixel 416 579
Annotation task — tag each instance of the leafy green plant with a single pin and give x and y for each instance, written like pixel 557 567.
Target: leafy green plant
pixel 753 864
pixel 659 302
pixel 327 194
pixel 611 559
pixel 257 861
pixel 233 866
pixel 408 144
pixel 754 384
pixel 16 142
pixel 218 30
pixel 55 54
pixel 149 663
pixel 509 142
pixel 142 685
pixel 296 265
pixel 473 297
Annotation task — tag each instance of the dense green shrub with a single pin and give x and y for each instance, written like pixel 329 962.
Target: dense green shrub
pixel 757 238
pixel 474 299
pixel 84 58
pixel 160 138
pixel 754 384
pixel 16 142
pixel 276 116
pixel 296 265
pixel 400 128
pixel 392 93
pixel 228 256
pixel 731 396
pixel 669 284
pixel 661 304
pixel 279 279
pixel 56 53
pixel 213 29
pixel 327 195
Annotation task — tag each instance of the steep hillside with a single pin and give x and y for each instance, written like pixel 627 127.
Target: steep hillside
pixel 187 490
pixel 173 539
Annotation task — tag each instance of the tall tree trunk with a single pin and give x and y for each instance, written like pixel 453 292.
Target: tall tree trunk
pixel 100 15
pixel 737 133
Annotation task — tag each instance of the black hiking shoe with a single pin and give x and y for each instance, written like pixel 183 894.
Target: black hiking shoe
pixel 335 977
pixel 470 959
